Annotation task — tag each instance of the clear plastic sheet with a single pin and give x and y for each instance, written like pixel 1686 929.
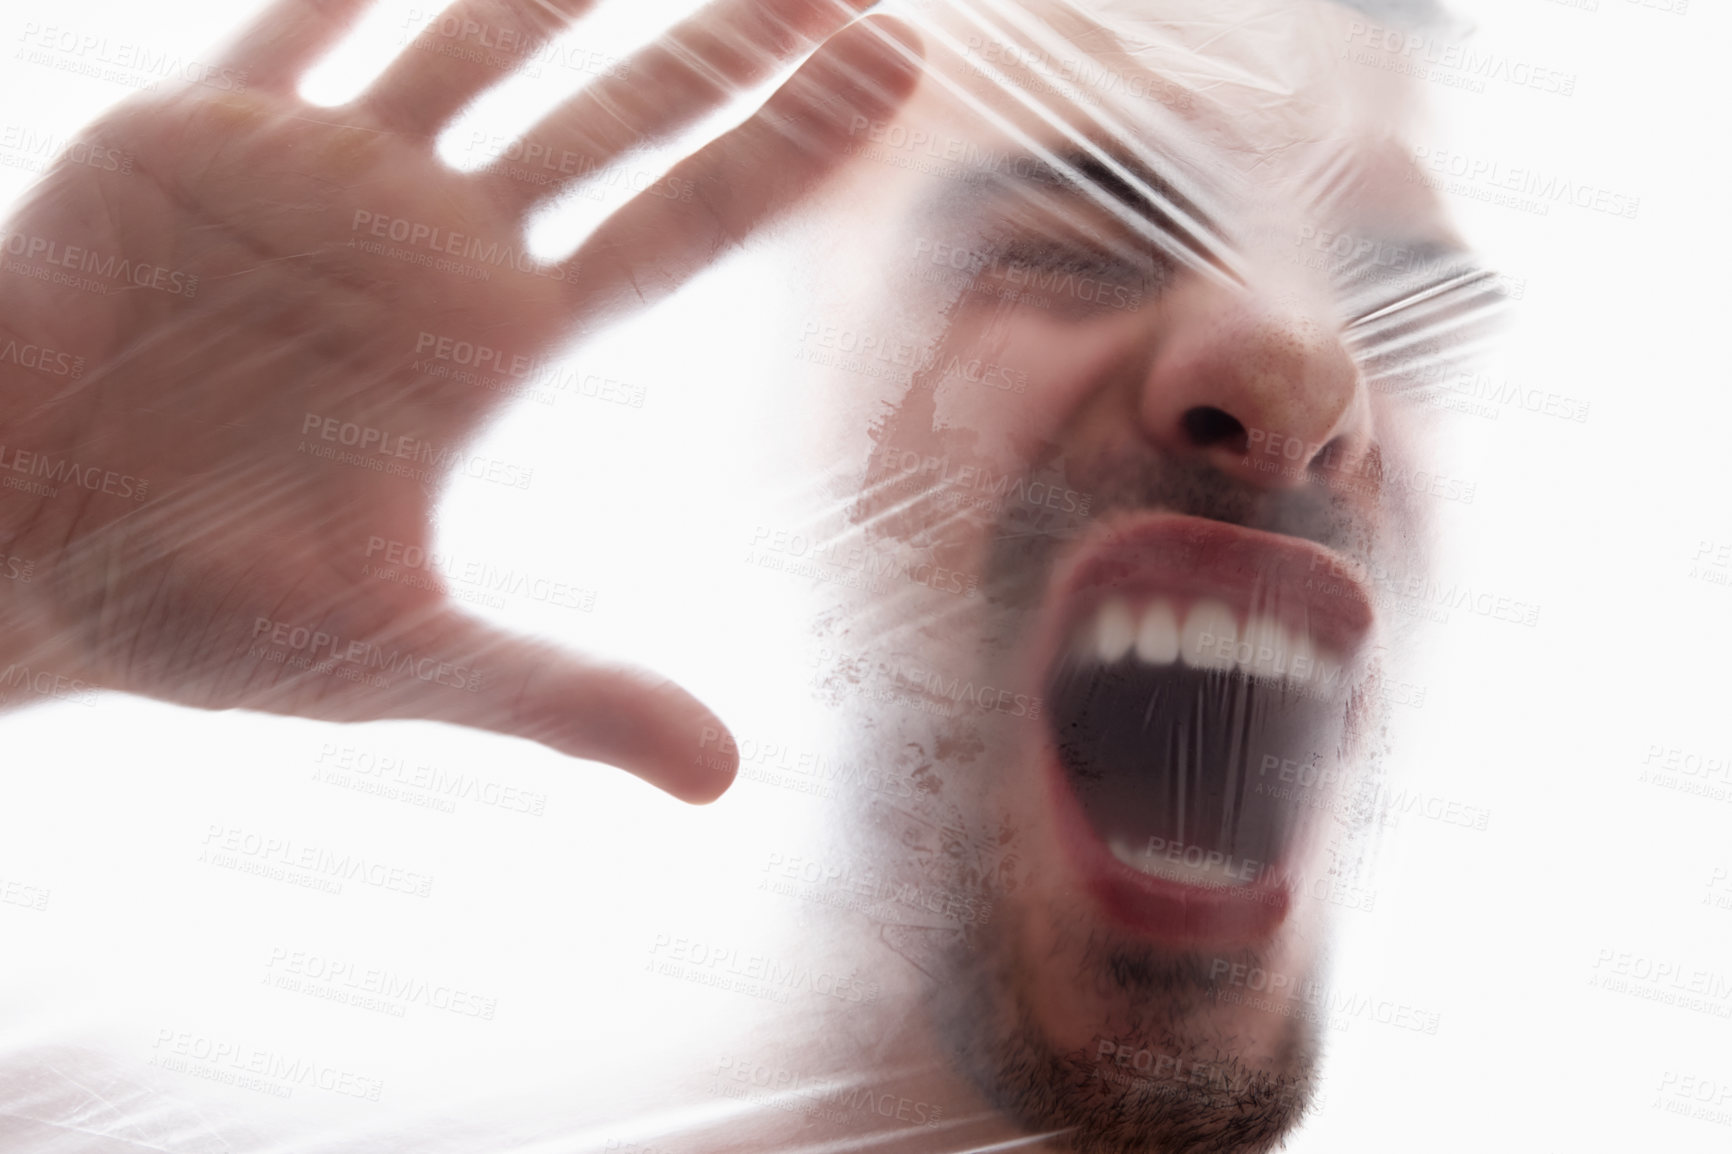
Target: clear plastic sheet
pixel 1179 541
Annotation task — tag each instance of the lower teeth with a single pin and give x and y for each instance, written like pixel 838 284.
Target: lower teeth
pixel 1214 870
pixel 1172 765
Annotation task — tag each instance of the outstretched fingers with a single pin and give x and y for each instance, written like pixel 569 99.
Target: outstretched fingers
pixel 749 176
pixel 284 41
pixel 467 49
pixel 695 68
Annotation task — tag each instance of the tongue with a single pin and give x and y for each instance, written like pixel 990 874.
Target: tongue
pixel 1177 767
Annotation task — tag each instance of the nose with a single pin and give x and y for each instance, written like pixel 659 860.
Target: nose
pixel 1260 385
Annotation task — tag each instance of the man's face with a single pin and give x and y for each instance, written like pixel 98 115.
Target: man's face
pixel 1141 461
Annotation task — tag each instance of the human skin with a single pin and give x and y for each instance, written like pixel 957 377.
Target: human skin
pixel 205 397
pixel 1174 414
pixel 201 545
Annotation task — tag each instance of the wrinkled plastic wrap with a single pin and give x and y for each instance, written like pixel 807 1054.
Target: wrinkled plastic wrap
pixel 1181 542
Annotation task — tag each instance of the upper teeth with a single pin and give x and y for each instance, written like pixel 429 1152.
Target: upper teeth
pixel 1207 635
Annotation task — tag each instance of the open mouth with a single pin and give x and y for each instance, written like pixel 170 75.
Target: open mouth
pixel 1195 667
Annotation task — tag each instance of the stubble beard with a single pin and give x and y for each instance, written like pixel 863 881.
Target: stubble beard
pixel 1163 1069
pixel 1168 1066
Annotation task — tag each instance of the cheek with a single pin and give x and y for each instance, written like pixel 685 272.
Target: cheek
pixel 1415 441
pixel 1018 380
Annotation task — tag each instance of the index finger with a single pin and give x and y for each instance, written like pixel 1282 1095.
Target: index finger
pixel 690 71
pixel 468 48
pixel 278 47
pixel 749 176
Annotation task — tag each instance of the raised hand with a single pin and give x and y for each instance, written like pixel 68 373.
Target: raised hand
pixel 248 304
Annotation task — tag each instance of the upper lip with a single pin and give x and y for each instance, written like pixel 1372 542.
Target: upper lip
pixel 1165 553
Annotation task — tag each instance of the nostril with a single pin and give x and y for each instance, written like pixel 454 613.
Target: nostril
pixel 1208 426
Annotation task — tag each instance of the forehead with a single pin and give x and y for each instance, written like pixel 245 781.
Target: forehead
pixel 1250 100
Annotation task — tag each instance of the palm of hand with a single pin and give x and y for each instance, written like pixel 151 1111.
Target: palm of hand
pixel 263 384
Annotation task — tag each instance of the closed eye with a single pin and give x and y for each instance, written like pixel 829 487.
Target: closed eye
pixel 1470 286
pixel 1406 344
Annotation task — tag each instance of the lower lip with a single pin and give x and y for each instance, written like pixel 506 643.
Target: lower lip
pixel 1177 914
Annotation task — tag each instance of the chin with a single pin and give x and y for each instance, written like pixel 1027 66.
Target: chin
pixel 1136 1054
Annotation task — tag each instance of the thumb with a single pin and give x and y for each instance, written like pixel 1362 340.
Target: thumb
pixel 468 672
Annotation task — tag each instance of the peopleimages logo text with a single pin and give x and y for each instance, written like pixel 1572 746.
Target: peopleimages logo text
pixel 433 238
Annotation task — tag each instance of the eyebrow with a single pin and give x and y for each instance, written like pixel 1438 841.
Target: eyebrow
pixel 1110 178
